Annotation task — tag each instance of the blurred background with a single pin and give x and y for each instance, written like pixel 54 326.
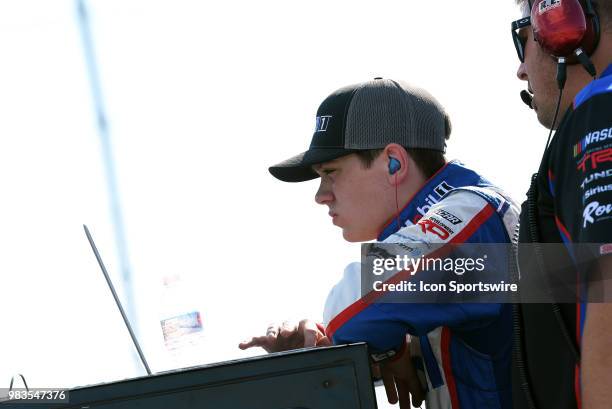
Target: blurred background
pixel 154 122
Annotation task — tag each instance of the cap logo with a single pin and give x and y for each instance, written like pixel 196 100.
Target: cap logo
pixel 322 123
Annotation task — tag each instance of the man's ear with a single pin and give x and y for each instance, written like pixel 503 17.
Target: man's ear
pixel 397 162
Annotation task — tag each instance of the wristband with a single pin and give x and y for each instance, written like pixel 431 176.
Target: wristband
pixel 391 355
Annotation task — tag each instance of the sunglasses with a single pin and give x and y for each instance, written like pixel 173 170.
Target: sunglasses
pixel 519 42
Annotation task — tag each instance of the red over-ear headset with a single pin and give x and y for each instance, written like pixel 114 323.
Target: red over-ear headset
pixel 566 28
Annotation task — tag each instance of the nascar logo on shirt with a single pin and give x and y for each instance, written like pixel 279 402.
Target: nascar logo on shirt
pixel 594 212
pixel 592 137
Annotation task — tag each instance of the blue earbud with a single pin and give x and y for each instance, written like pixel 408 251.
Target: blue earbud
pixel 394 165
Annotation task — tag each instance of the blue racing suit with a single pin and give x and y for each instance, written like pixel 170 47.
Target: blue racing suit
pixel 465 348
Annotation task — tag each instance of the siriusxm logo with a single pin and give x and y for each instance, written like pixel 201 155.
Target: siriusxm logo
pixel 597 189
pixel 322 123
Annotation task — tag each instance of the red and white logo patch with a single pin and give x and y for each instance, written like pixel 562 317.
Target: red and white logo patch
pixel 605 249
pixel 433 226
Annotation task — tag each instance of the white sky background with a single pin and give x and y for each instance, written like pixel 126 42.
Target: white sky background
pixel 201 98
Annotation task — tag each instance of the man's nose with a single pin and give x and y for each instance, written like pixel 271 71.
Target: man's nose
pixel 521 73
pixel 324 194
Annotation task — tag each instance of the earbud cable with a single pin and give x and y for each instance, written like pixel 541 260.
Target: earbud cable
pixel 554 119
pixel 397 212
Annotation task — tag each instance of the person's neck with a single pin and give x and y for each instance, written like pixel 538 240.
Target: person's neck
pixel 410 188
pixel 602 57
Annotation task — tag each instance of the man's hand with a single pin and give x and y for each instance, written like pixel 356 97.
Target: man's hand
pixel 401 380
pixel 289 336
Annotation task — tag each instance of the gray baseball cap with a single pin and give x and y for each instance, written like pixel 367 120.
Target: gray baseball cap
pixel 369 115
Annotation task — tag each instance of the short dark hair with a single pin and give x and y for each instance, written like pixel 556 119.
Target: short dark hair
pixel 429 161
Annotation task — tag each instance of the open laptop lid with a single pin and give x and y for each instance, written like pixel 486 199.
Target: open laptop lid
pixel 117 301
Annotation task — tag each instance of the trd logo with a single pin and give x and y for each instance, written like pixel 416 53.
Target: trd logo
pixel 322 123
pixel 430 225
pixel 594 159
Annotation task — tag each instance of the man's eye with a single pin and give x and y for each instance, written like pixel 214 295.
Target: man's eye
pixel 328 171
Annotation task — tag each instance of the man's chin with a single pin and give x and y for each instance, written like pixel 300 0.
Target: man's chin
pixel 352 240
pixel 348 236
pixel 545 121
pixel 546 116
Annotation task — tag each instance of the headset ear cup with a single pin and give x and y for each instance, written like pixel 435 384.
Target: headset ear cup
pixel 558 25
pixel 560 28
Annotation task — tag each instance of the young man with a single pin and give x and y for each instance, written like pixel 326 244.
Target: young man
pixel 565 359
pixel 378 148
